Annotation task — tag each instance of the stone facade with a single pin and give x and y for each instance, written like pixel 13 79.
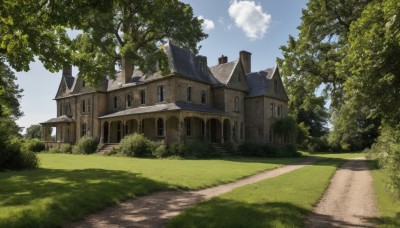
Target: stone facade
pixel 224 103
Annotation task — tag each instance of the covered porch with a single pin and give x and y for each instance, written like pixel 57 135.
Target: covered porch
pixel 170 123
pixel 64 131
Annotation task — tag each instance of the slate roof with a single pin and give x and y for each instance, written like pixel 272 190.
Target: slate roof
pixel 223 72
pixel 69 80
pixel 166 107
pixel 181 61
pixel 60 119
pixel 258 82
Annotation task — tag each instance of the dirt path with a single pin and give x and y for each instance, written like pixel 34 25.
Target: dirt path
pixel 157 209
pixel 349 200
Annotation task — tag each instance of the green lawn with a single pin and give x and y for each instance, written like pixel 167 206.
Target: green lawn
pixel 283 201
pixel 67 187
pixel 334 155
pixel 388 205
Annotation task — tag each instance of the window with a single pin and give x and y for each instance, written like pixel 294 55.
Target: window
pixel 276 86
pixel 83 83
pixel 272 109
pixel 142 127
pixel 202 127
pixel 61 109
pixel 239 77
pixel 68 107
pixel 115 102
pixel 142 97
pixel 236 108
pixel 203 97
pixel 160 127
pixel 189 94
pixel 160 93
pixel 128 101
pixel 83 129
pixel 88 105
pixel 188 126
pixel 279 111
pixel 83 106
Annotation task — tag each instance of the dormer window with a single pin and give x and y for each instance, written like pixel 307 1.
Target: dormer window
pixel 83 84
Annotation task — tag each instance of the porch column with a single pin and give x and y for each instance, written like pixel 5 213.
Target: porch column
pixel 205 129
pixel 43 136
pixel 165 128
pixel 180 127
pixel 101 131
pixel 140 126
pixel 222 130
pixel 109 131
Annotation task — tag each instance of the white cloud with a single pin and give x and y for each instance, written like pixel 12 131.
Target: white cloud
pixel 250 18
pixel 207 24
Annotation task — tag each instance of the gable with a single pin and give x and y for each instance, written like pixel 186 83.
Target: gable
pixel 65 86
pixel 275 87
pixel 238 78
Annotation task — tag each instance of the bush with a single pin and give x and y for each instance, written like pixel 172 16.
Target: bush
pixel 33 145
pixel 12 157
pixel 136 145
pixel 268 150
pixel 387 150
pixel 199 149
pixel 86 145
pixel 161 152
pixel 63 149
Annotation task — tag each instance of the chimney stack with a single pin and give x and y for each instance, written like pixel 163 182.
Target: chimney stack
pixel 223 59
pixel 67 70
pixel 245 58
pixel 127 70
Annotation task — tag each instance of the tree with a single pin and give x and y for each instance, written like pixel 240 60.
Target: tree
pixel 312 61
pixel 121 31
pixel 35 131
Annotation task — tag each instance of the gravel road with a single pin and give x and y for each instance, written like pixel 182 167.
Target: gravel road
pixel 349 200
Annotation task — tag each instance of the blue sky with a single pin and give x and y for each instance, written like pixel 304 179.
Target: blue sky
pixel 259 27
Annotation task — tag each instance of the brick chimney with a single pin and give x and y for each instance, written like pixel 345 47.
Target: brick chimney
pixel 67 70
pixel 127 70
pixel 245 57
pixel 223 59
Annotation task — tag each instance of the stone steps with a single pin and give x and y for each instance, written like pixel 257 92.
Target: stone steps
pixel 107 147
pixel 221 149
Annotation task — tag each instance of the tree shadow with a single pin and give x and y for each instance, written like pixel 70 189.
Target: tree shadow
pixel 385 221
pixel 52 197
pixel 228 213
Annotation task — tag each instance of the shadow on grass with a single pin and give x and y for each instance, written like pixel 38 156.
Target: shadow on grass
pixel 387 221
pixel 52 197
pixel 227 213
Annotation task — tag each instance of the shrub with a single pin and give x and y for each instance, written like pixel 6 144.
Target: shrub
pixel 136 145
pixel 63 149
pixel 86 145
pixel 199 149
pixel 12 157
pixel 387 150
pixel 161 152
pixel 33 145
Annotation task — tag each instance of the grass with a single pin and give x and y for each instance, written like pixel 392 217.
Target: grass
pixel 67 187
pixel 283 201
pixel 334 155
pixel 388 205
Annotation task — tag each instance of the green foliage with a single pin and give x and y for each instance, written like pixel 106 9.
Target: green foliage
pixel 387 150
pixel 35 132
pixel 268 150
pixel 64 148
pixel 136 145
pixel 111 32
pixel 13 157
pixel 160 152
pixel 199 149
pixel 33 145
pixel 85 145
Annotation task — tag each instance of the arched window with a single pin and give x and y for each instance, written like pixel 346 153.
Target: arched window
pixel 160 127
pixel 128 100
pixel 236 108
pixel 83 106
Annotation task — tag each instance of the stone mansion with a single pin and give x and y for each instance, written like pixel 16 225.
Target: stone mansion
pixel 223 103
